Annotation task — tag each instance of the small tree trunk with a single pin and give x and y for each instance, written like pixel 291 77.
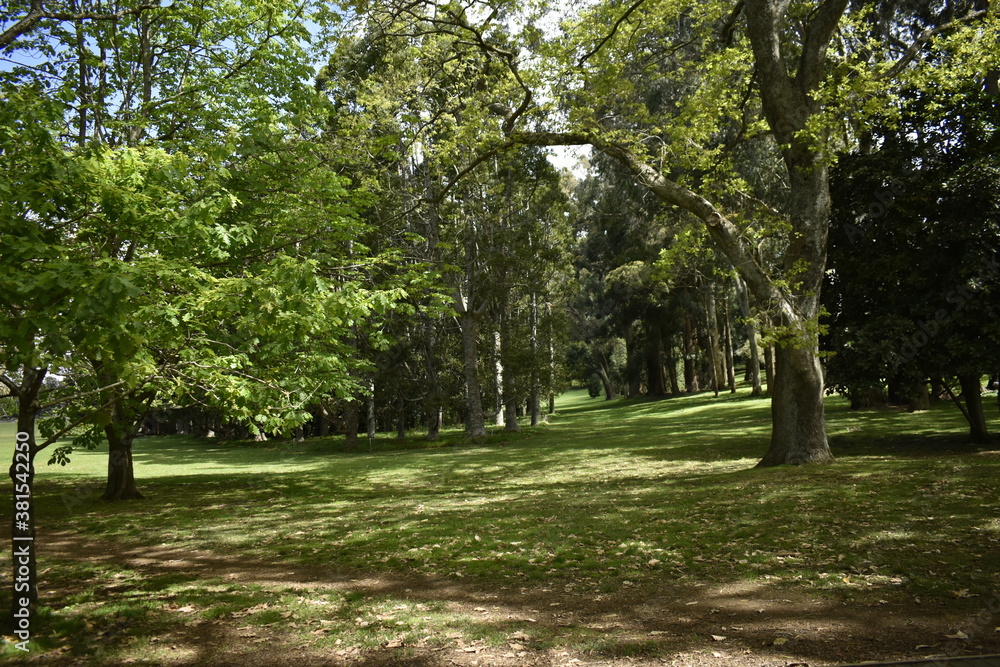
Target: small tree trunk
pixel 475 420
pixel 671 363
pixel 798 431
pixel 727 338
pixel 370 403
pixel 753 363
pixel 632 362
pixel 711 336
pixel 690 365
pixel 498 378
pixel 768 369
pixel 654 361
pixel 972 393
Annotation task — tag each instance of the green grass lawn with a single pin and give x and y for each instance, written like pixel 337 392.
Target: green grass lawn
pixel 608 497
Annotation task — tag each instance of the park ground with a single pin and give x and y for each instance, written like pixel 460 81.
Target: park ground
pixel 620 533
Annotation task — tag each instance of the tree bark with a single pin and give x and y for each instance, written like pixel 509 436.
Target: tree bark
pixel 474 419
pixel 24 585
pixel 690 349
pixel 671 362
pixel 753 363
pixel 498 378
pixel 727 338
pixel 798 432
pixel 120 432
pixel 632 362
pixel 370 424
pixel 603 372
pixel 121 473
pixel 712 335
pixel 972 393
pixel 654 362
pixel 535 399
pixel 352 417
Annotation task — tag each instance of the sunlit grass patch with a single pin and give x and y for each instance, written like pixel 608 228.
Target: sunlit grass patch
pixel 611 497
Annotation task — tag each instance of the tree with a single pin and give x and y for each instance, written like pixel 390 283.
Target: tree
pixel 154 248
pixel 759 67
pixel 916 214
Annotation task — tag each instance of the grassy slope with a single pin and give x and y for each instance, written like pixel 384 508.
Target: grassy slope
pixel 610 496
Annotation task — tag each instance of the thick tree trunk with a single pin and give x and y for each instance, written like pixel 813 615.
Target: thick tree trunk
pixel 798 431
pixel 972 393
pixel 121 473
pixel 352 416
pixel 24 586
pixel 474 420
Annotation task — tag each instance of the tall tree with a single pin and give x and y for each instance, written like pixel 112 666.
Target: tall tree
pixel 761 67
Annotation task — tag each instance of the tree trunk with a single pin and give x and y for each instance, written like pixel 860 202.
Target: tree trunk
pixel 632 362
pixel 323 421
pixel 352 416
pixel 654 362
pixel 690 351
pixel 727 338
pixel 768 369
pixel 370 403
pixel 475 420
pixel 603 372
pixel 24 585
pixel 498 378
pixel 535 397
pixel 753 363
pixel 798 431
pixel 508 389
pixel 671 363
pixel 121 474
pixel 972 393
pixel 120 432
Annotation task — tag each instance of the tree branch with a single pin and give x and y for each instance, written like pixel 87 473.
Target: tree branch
pixel 911 52
pixel 38 13
pixel 818 35
pixel 610 35
pixel 726 235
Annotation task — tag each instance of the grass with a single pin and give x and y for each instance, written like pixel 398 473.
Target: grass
pixel 612 496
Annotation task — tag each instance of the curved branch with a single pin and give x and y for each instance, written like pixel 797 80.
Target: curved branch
pixel 610 35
